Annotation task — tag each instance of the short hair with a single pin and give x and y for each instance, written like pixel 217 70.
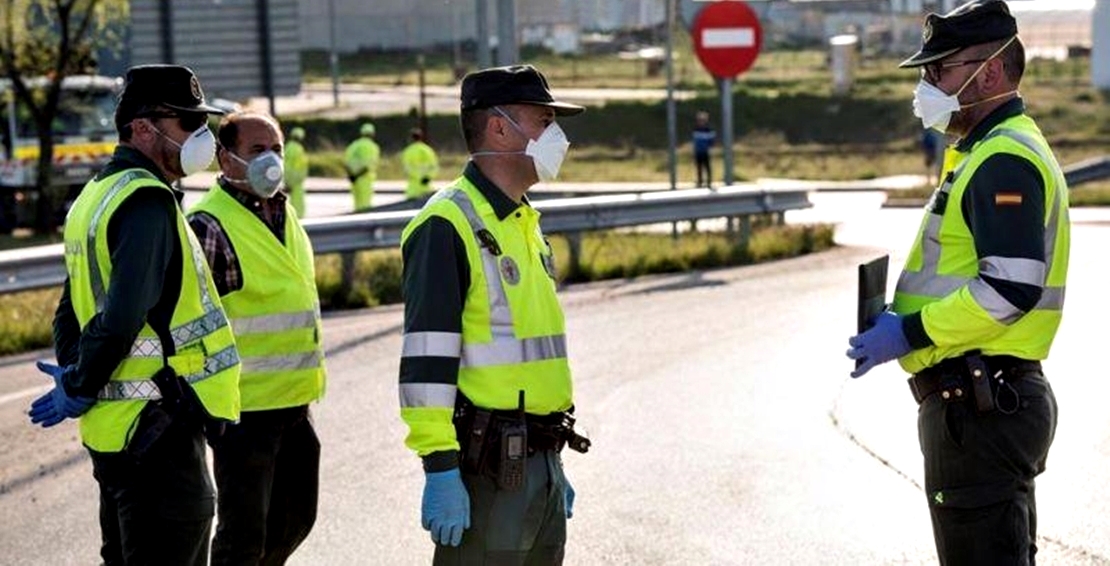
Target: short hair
pixel 1012 57
pixel 473 124
pixel 228 131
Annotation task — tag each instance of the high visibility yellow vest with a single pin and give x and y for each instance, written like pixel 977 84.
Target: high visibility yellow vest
pixel 275 316
pixel 205 353
pixel 513 334
pixel 942 269
pixel 295 159
pixel 363 154
pixel 420 162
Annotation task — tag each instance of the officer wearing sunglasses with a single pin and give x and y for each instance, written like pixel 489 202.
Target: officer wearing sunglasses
pixel 981 295
pixel 146 358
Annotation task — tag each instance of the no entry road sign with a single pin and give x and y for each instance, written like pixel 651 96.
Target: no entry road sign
pixel 727 38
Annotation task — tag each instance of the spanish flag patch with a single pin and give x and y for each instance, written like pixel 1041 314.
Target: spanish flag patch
pixel 1007 199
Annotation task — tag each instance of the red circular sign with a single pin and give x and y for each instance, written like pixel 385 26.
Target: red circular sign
pixel 727 38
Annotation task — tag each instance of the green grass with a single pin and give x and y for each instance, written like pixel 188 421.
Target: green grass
pixel 25 318
pixel 787 121
pixel 611 255
pixel 1093 194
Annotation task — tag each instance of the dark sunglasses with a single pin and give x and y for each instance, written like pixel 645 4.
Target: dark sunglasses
pixel 933 71
pixel 190 121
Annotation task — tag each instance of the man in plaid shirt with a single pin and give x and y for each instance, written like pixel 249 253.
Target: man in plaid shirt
pixel 267 464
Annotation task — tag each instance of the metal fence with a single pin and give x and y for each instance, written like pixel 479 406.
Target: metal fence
pixel 43 266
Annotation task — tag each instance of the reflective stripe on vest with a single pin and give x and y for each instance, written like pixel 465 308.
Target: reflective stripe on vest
pixel 436 344
pixel 267 323
pixel 275 322
pixel 183 335
pixel 927 282
pixel 504 348
pixel 145 388
pixel 427 395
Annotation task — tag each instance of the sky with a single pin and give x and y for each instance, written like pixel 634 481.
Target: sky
pixel 1034 5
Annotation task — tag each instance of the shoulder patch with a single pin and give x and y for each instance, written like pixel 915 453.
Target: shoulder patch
pixel 1005 198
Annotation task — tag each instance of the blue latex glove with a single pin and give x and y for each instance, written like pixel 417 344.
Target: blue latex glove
pixel 881 343
pixel 56 406
pixel 569 499
pixel 445 511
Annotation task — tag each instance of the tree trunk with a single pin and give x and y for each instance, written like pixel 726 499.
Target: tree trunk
pixel 50 196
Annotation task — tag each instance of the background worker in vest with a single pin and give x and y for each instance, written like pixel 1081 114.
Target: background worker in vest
pixel 484 331
pixel 296 169
pixel 267 465
pixel 980 298
pixel 138 316
pixel 421 166
pixel 361 161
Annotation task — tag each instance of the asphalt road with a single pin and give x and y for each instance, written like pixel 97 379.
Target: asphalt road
pixel 725 427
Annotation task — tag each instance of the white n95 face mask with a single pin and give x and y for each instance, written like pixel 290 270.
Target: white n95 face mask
pixel 547 151
pixel 264 173
pixel 935 107
pixel 197 152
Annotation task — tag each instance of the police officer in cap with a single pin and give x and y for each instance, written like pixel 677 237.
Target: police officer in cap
pixel 980 298
pixel 146 357
pixel 484 382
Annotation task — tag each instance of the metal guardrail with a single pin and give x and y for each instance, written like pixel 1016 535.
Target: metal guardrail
pixel 1087 170
pixel 43 266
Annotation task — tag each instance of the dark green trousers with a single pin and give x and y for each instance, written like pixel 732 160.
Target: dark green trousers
pixel 526 527
pixel 980 470
pixel 156 509
pixel 267 470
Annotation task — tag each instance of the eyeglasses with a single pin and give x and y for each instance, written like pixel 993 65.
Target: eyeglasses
pixel 933 71
pixel 190 121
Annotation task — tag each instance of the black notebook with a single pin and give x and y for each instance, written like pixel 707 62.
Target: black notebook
pixel 872 293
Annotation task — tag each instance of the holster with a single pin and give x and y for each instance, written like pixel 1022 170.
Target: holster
pixel 480 432
pixel 980 376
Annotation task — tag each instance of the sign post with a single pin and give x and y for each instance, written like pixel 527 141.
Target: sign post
pixel 727 39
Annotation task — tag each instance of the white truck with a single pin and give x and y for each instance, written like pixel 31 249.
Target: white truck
pixel 84 138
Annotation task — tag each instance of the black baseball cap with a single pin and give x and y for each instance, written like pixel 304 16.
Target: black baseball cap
pixel 518 84
pixel 975 23
pixel 173 86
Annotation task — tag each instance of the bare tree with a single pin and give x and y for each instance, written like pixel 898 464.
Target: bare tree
pixel 52 39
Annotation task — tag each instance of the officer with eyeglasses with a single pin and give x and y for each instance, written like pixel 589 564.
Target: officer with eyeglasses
pixel 146 357
pixel 981 295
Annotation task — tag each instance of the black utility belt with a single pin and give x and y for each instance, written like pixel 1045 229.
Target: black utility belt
pixel 497 443
pixel 973 376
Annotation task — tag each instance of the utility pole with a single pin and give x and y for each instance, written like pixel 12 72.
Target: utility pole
pixel 482 55
pixel 423 109
pixel 333 57
pixel 672 126
pixel 266 47
pixel 672 121
pixel 507 51
pixel 1100 44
